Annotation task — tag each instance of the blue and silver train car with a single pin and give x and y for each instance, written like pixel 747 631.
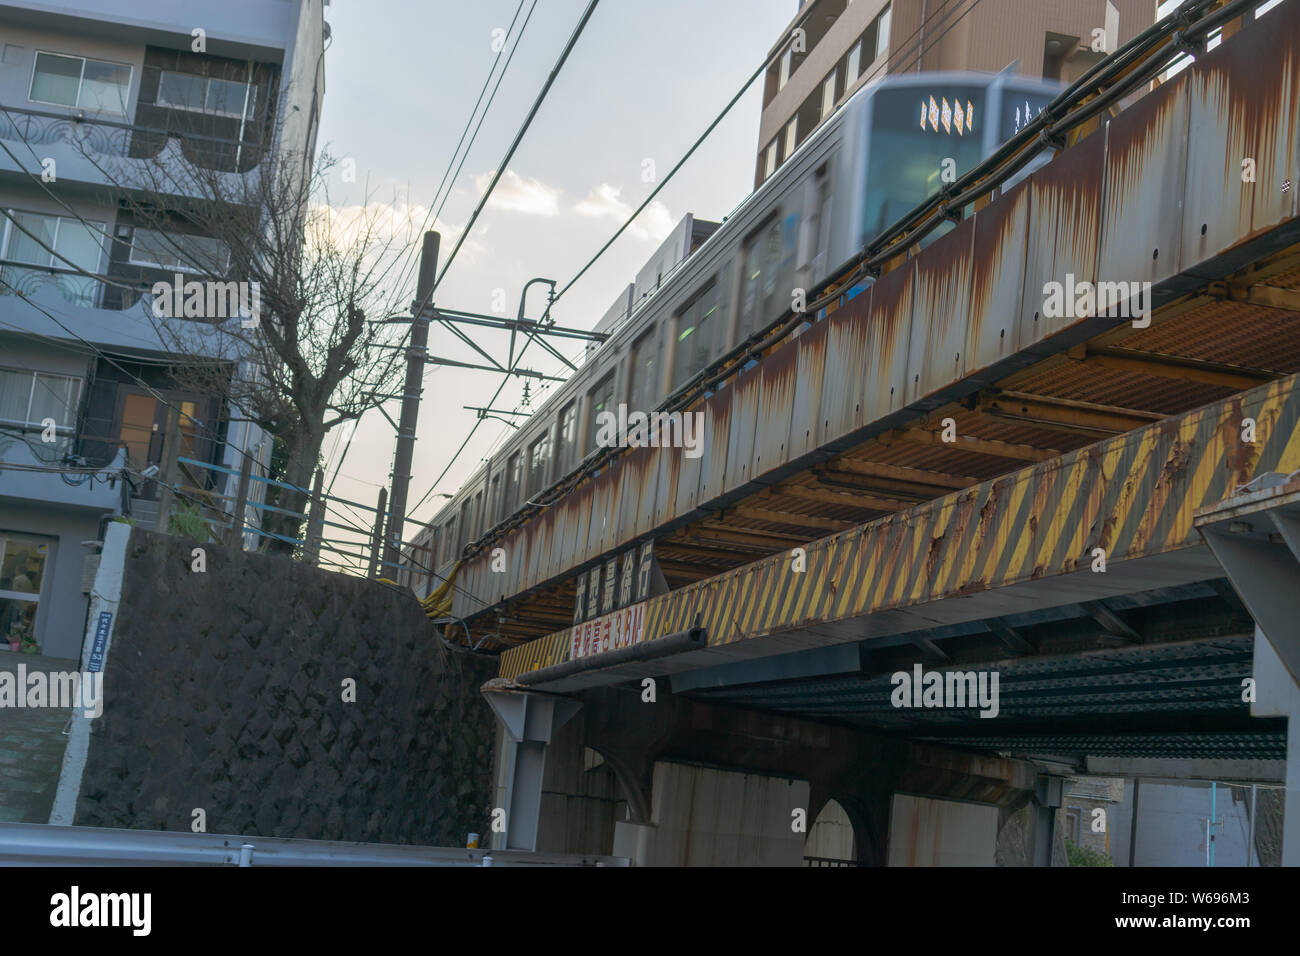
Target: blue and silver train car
pixel 884 152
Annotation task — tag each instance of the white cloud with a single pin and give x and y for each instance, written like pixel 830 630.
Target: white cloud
pixel 605 202
pixel 514 193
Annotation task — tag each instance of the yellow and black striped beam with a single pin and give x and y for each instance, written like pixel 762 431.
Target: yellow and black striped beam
pixel 1132 496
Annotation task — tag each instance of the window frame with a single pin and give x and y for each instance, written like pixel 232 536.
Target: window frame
pixel 6 234
pixel 36 597
pixel 829 90
pixel 132 260
pixel 248 86
pixel 28 424
pixel 81 80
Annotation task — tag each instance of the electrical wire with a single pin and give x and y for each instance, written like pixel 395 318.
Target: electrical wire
pixel 767 63
pixel 432 215
pixel 523 129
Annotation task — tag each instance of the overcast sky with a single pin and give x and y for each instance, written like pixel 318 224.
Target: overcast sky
pixel 645 79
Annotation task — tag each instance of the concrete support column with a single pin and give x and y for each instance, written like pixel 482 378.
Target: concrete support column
pixel 1277 695
pixel 529 720
pixel 1048 795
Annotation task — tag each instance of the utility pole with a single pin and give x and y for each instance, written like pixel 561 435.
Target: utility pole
pixel 421 311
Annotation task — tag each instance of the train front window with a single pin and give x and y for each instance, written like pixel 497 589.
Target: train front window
pixel 916 134
pixel 1019 107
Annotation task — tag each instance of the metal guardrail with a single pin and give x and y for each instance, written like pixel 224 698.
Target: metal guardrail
pixel 36 844
pixel 818 862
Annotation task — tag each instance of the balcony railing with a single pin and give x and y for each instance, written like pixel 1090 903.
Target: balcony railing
pixel 115 139
pixel 76 288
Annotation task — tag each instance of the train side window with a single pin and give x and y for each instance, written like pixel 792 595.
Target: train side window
pixel 566 440
pixel 539 456
pixel 513 474
pixel 449 540
pixel 644 372
pixel 599 399
pixel 819 229
pixel 494 501
pixel 762 260
pixel 462 536
pixel 478 516
pixel 697 334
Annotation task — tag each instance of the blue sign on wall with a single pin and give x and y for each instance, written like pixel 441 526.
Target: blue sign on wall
pixel 101 639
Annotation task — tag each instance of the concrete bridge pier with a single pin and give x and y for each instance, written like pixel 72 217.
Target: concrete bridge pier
pixel 680 782
pixel 1255 535
pixel 528 723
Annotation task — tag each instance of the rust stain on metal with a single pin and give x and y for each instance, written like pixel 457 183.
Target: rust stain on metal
pixel 995 234
pixel 990 510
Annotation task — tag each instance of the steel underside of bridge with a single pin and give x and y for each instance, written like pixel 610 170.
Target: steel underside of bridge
pixel 979 554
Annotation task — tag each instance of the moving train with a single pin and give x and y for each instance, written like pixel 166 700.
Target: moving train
pixel 884 151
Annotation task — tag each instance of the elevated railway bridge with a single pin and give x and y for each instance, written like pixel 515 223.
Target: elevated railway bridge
pixel 949 473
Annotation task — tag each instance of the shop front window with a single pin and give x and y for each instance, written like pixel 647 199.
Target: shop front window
pixel 22 571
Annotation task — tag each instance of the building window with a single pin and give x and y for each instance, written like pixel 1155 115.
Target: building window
pixel 882 33
pixel 791 137
pixel 22 572
pixel 28 398
pixel 184 253
pixel 1074 824
pixel 539 456
pixel 770 168
pixel 79 82
pixel 783 77
pixel 75 244
pixel 828 96
pixel 852 65
pixel 205 94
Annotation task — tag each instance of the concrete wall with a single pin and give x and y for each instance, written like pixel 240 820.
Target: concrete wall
pixel 708 817
pixel 223 691
pixel 1171 825
pixel 927 832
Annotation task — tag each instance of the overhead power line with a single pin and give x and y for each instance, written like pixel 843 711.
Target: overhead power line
pixel 523 129
pixel 449 177
pixel 914 48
